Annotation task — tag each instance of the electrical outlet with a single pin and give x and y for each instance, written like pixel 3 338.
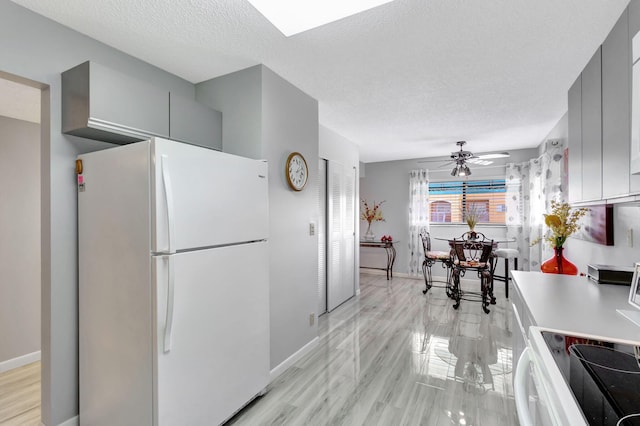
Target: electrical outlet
pixel 312 229
pixel 312 319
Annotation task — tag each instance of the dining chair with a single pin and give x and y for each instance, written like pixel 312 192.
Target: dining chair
pixel 472 252
pixel 430 258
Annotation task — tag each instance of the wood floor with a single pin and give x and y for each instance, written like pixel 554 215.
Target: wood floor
pixel 393 356
pixel 20 396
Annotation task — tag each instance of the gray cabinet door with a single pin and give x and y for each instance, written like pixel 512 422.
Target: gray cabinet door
pixel 575 141
pixel 634 17
pixel 194 123
pixel 616 114
pixel 103 104
pixel 592 128
pixel 634 28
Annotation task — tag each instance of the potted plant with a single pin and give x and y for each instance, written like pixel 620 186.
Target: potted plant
pixel 471 216
pixel 371 213
pixel 562 222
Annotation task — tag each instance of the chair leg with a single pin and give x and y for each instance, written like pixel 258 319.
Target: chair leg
pixel 485 283
pixel 449 285
pixel 426 271
pixel 506 282
pixel 506 276
pixel 456 287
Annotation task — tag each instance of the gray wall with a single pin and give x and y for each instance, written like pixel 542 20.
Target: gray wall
pixel 286 121
pixel 239 97
pixel 389 181
pixel 625 217
pixel 39 49
pixel 20 241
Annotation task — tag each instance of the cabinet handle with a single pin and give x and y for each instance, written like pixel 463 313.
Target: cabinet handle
pixel 170 299
pixel 168 195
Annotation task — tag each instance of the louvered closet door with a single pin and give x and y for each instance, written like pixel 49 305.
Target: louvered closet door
pixel 340 256
pixel 322 237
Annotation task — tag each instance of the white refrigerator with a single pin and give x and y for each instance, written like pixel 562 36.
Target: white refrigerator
pixel 173 284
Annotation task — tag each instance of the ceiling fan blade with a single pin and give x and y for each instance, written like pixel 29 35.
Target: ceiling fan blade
pixel 431 161
pixel 447 164
pixel 494 156
pixel 479 161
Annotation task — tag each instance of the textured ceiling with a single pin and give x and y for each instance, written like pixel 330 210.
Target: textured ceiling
pixel 403 80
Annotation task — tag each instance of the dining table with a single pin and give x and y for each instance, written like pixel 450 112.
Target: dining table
pixel 390 250
pixel 492 257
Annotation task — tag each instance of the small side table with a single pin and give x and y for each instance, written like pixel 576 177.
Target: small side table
pixel 390 250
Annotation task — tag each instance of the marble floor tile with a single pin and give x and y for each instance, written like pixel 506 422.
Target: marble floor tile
pixel 393 356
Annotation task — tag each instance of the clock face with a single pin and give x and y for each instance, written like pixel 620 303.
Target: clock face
pixel 297 171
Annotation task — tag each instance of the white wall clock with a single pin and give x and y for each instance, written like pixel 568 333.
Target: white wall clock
pixel 297 171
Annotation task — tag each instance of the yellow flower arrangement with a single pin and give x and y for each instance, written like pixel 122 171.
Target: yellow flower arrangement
pixel 563 221
pixel 371 213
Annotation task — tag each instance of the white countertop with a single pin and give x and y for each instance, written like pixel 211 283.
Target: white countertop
pixel 576 304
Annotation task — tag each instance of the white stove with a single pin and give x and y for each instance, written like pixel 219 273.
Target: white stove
pixel 565 378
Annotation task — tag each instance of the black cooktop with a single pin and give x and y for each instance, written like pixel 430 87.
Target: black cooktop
pixel 604 377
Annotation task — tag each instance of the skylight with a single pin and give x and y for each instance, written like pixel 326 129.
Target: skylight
pixel 295 16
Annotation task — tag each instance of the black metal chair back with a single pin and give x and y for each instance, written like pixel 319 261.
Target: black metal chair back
pixel 473 251
pixel 430 258
pixel 426 240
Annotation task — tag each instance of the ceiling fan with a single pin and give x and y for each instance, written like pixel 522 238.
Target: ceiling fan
pixel 462 157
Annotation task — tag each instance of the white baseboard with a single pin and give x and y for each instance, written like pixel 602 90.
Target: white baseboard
pixel 10 364
pixel 73 421
pixel 283 366
pixel 374 271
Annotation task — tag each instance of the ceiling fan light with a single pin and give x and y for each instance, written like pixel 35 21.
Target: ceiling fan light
pixel 467 170
pixel 454 172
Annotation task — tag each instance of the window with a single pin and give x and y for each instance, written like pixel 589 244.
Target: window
pixel 440 211
pixel 449 200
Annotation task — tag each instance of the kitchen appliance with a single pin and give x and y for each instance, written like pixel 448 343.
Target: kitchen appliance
pixel 610 274
pixel 565 378
pixel 173 284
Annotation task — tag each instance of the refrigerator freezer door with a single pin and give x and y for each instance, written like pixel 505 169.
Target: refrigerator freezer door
pixel 219 354
pixel 204 198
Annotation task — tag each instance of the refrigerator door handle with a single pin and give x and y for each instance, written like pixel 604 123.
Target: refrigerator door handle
pixel 170 299
pixel 168 196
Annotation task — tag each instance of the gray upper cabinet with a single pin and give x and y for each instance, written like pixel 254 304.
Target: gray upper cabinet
pixel 592 129
pixel 616 114
pixel 600 119
pixel 103 104
pixel 634 17
pixel 634 28
pixel 195 123
pixel 574 118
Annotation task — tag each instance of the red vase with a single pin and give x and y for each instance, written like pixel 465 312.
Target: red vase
pixel 558 264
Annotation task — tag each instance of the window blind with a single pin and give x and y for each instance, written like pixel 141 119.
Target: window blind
pixel 452 201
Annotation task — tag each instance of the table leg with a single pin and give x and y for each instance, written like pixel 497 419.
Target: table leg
pixel 391 258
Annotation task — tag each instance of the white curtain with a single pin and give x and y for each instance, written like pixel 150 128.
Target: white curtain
pixel 418 217
pixel 530 188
